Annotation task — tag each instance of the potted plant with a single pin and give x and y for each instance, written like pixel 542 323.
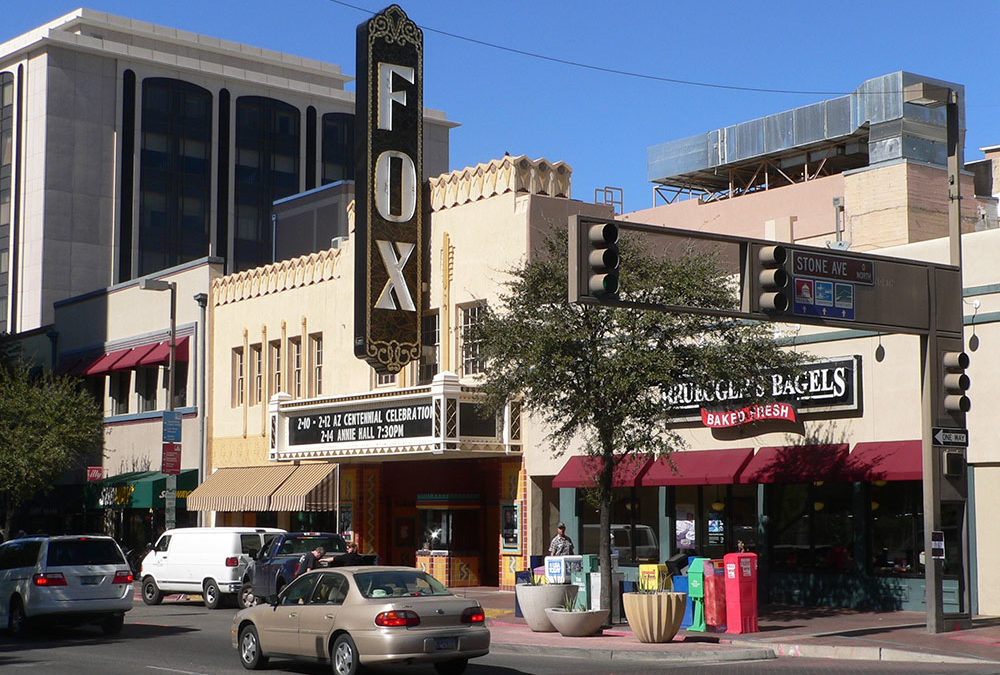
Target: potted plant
pixel 573 620
pixel 653 612
pixel 535 596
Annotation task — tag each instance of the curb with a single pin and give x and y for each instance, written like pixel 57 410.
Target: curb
pixel 844 652
pixel 739 653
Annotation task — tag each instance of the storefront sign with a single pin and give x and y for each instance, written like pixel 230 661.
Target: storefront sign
pixel 411 420
pixel 753 413
pixel 388 293
pixel 840 268
pixel 822 386
pixel 95 473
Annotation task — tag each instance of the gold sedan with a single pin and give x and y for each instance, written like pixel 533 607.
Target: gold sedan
pixel 356 616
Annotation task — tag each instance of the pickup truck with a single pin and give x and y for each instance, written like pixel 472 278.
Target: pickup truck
pixel 278 562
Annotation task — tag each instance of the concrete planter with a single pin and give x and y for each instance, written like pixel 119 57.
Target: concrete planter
pixel 535 599
pixel 577 623
pixel 654 617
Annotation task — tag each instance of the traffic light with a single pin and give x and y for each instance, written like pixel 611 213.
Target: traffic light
pixel 602 260
pixel 773 278
pixel 955 382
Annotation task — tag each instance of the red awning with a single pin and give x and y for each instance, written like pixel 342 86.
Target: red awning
pixel 134 356
pixel 103 364
pixel 888 460
pixel 161 353
pixel 701 467
pixel 581 471
pixel 798 464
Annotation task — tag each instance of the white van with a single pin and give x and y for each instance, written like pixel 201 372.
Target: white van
pixel 206 560
pixel 647 548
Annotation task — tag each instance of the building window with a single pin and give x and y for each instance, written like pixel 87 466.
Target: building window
pixel 120 390
pixel 145 384
pixel 6 164
pixel 275 358
pixel 267 169
pixel 430 338
pixel 383 379
pixel 175 178
pixel 316 359
pixel 811 526
pixel 180 384
pixel 256 374
pixel 472 360
pixel 295 367
pixel 338 147
pixel 237 378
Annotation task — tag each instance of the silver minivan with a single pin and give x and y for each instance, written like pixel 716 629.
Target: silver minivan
pixel 66 579
pixel 206 560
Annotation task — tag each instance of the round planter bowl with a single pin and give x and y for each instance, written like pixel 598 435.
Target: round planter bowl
pixel 577 624
pixel 654 617
pixel 533 601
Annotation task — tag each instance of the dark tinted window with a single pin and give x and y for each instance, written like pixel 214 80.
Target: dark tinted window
pixel 302 545
pixel 250 543
pixel 83 552
pixel 19 553
pixel 164 543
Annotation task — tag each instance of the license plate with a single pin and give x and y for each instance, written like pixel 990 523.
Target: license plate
pixel 445 643
pixel 91 581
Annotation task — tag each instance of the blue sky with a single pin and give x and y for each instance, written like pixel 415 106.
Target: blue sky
pixel 600 123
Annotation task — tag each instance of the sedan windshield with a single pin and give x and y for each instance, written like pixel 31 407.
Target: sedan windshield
pixel 398 583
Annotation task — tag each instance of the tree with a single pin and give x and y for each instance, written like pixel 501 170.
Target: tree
pixel 47 423
pixel 599 373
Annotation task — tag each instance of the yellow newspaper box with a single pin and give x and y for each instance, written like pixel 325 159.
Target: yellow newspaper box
pixel 654 578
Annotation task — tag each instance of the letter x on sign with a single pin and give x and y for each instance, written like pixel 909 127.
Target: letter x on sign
pixel 396 282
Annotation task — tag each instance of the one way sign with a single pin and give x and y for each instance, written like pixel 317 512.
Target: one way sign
pixel 950 437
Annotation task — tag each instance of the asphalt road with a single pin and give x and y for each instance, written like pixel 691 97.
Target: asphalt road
pixel 185 638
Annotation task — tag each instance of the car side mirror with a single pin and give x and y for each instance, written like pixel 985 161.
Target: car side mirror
pixel 272 600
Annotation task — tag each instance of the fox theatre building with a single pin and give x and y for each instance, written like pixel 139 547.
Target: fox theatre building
pixel 835 519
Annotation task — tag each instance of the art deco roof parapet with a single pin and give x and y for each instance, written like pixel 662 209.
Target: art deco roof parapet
pixel 276 277
pixel 499 176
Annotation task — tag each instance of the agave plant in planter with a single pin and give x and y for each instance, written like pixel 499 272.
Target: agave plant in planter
pixel 573 620
pixel 535 597
pixel 654 613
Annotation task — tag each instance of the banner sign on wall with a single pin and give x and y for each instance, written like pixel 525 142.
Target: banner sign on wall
pixel 389 248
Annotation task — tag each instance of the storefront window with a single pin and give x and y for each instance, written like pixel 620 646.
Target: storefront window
pixel 634 524
pixel 897 527
pixel 449 530
pixel 812 526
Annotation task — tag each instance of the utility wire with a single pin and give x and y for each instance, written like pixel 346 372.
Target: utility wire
pixel 603 69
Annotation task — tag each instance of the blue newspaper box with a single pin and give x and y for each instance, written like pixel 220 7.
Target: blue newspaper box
pixel 522 577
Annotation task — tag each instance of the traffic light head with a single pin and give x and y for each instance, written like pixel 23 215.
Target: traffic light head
pixel 603 259
pixel 773 279
pixel 955 382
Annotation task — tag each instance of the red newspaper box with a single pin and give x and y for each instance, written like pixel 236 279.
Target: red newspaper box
pixel 715 594
pixel 741 592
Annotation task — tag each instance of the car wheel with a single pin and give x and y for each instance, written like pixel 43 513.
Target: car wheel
pixel 453 667
pixel 17 622
pixel 211 594
pixel 344 656
pixel 151 593
pixel 246 598
pixel 112 625
pixel 250 654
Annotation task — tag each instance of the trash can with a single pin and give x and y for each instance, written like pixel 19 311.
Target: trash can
pixel 741 592
pixel 696 591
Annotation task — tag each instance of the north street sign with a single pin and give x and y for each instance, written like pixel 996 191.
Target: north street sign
pixel 951 437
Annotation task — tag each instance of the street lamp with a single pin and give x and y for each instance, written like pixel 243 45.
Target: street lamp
pixel 933 96
pixel 160 285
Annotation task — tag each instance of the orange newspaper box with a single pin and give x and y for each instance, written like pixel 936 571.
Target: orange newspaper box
pixel 741 592
pixel 715 594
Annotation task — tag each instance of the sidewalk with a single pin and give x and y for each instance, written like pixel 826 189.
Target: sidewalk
pixel 784 631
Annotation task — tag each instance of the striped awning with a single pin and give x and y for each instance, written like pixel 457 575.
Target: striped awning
pixel 239 488
pixel 312 487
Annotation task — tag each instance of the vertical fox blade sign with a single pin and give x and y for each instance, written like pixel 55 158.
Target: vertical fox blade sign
pixel 388 222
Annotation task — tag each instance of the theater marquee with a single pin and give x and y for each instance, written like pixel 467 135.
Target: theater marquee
pixel 389 251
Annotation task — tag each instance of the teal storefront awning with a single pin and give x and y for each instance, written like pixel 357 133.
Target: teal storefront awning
pixel 139 490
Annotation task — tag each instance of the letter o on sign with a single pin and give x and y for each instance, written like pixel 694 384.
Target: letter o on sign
pixel 407 186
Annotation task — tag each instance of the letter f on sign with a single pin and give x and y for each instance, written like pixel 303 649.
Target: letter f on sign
pixel 394 266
